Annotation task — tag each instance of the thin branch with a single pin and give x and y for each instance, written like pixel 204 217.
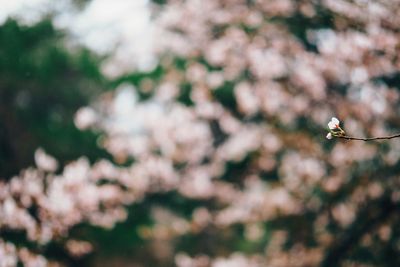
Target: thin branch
pixel 368 139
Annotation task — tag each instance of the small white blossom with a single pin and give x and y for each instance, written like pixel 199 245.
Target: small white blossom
pixel 85 117
pixel 329 136
pixel 333 124
pixel 44 161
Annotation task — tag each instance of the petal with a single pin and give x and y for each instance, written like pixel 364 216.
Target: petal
pixel 332 125
pixel 335 120
pixel 329 136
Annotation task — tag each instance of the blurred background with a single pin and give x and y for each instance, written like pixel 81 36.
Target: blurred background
pixel 191 133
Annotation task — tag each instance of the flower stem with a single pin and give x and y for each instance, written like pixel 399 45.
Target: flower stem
pixel 370 138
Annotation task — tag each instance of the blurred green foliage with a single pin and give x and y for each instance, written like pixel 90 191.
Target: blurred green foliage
pixel 42 84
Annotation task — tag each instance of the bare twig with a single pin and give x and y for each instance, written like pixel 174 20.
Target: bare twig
pixel 368 139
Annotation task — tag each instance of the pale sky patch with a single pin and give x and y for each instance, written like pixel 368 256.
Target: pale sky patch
pixel 121 28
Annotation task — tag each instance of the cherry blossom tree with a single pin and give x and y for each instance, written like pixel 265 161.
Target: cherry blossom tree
pixel 234 128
